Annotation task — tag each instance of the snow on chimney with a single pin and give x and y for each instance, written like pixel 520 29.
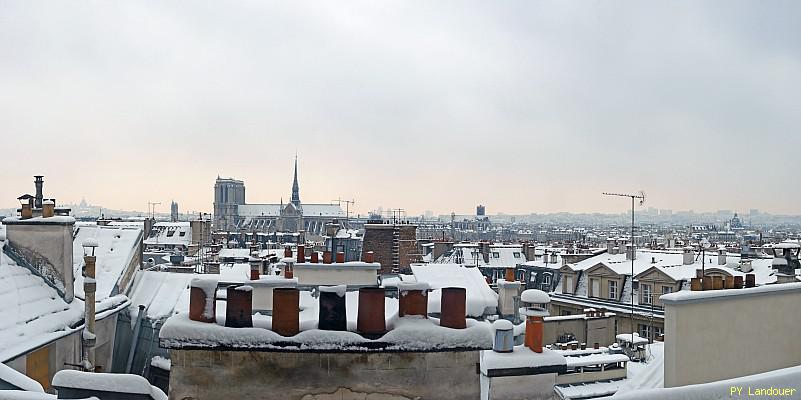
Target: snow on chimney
pixel 255 266
pixel 239 306
pixel 631 251
pixel 504 336
pixel 202 299
pixel 536 304
pixel 48 208
pixel 413 299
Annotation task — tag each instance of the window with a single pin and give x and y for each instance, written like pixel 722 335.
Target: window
pixel 545 285
pixel 567 312
pixel 613 290
pixel 646 293
pixel 568 284
pixel 667 290
pixel 182 233
pixel 495 254
pixel 516 255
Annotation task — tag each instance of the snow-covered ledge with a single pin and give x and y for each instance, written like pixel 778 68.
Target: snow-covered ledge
pixel 688 296
pixel 409 335
pixel 722 334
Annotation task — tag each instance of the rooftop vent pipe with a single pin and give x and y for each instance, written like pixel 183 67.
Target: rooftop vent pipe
pixel 239 306
pixel 340 257
pixel 504 336
pixel 326 257
pixel 333 312
pixel 286 309
pixel 453 308
pixel 301 254
pixel 369 257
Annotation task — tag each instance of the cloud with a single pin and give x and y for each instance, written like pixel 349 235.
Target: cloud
pixel 523 106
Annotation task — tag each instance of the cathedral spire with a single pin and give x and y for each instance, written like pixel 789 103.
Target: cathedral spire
pixel 295 188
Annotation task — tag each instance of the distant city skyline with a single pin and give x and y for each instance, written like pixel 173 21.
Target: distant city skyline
pixel 522 106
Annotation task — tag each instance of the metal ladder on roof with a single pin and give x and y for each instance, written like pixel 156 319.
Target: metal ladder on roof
pixel 395 249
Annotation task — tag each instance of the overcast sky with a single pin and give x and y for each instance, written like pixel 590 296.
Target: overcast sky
pixel 426 105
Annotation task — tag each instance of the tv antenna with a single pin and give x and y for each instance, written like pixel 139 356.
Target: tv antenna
pixel 634 197
pixel 152 208
pixel 347 207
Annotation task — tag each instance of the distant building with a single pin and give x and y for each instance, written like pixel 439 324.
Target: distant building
pixel 481 210
pixel 174 212
pixel 232 213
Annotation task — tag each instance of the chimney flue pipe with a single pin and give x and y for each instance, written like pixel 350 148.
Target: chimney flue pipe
pixel 239 306
pixel 371 321
pixel 286 309
pixel 453 308
pixel 38 181
pixel 333 312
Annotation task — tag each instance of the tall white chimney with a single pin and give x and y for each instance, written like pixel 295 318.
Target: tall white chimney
pixel 689 256
pixel 721 256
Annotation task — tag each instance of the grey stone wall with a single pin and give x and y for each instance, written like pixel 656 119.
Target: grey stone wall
pixel 206 375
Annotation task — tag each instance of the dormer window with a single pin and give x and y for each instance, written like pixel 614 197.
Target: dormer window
pixel 495 254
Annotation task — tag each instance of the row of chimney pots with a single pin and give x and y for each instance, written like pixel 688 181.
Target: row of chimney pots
pixel 314 258
pixel 701 282
pixel 371 319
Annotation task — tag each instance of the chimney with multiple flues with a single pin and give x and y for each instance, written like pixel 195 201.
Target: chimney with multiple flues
pixel 38 181
pixel 371 316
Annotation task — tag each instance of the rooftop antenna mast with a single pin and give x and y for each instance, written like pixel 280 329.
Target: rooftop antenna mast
pixel 641 197
pixel 347 208
pixel 152 208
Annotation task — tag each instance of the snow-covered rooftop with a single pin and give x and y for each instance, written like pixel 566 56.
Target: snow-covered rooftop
pixel 671 263
pixel 405 334
pixel 116 248
pixel 521 357
pixel 31 312
pixel 170 233
pixel 479 296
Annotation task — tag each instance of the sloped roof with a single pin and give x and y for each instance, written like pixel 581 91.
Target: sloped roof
pixel 116 248
pixel 31 312
pixel 170 233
